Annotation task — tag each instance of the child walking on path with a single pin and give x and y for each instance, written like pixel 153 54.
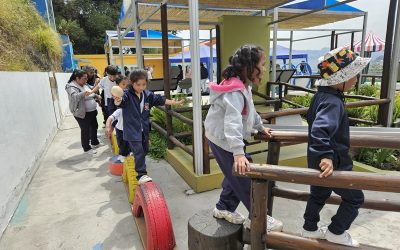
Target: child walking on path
pixel 328 145
pixel 231 119
pixel 123 145
pixel 106 84
pixel 136 105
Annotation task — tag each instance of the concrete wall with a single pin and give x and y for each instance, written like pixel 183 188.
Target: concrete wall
pixel 28 124
pixel 62 102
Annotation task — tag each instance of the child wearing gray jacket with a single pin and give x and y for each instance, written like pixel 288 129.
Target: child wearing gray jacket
pixel 231 119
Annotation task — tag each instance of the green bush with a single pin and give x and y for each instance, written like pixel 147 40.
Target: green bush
pixel 387 159
pixel 369 90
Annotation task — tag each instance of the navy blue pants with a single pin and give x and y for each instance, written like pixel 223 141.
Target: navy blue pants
pixel 140 150
pixel 110 106
pixel 234 189
pixel 347 212
pixel 88 127
pixel 122 145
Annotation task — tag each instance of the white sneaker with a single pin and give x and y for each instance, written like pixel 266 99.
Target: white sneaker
pixel 273 225
pixel 317 234
pixel 121 158
pixel 144 179
pixel 91 152
pixel 234 218
pixel 342 239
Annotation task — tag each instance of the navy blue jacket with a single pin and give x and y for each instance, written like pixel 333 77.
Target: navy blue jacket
pixel 328 130
pixel 137 123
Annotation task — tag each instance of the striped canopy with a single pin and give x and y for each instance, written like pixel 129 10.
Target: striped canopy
pixel 373 43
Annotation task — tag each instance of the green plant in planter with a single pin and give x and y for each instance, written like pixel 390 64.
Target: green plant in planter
pixel 379 158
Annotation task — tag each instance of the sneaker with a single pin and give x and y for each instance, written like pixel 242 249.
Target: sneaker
pixel 317 234
pixel 273 225
pixel 121 158
pixel 98 145
pixel 234 218
pixel 342 239
pixel 144 179
pixel 91 152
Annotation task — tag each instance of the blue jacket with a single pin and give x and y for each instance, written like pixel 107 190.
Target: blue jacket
pixel 328 130
pixel 137 123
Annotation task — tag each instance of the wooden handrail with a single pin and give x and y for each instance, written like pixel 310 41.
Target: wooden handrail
pixel 339 179
pixel 382 204
pixel 301 111
pixel 356 139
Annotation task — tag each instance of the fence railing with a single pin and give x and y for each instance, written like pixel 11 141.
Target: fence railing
pixel 263 188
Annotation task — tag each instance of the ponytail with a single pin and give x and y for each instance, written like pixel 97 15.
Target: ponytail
pixel 77 73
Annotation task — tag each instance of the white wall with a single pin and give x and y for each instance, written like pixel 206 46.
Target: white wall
pixel 27 126
pixel 62 79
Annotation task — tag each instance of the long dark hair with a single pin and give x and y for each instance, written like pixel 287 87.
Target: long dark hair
pixel 76 74
pixel 244 62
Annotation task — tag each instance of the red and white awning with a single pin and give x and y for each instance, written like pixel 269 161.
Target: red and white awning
pixel 373 43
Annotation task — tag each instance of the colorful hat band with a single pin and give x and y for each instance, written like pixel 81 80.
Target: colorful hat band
pixel 335 63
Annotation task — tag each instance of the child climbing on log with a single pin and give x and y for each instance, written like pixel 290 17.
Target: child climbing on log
pixel 231 119
pixel 328 145
pixel 122 82
pixel 136 105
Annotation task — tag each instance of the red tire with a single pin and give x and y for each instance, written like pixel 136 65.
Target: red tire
pixel 149 202
pixel 115 168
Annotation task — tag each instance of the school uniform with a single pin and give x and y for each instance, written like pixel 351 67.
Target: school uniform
pixel 122 144
pixel 106 84
pixel 136 124
pixel 329 137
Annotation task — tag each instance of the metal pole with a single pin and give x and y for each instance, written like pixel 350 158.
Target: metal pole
pixel 111 51
pixel 211 69
pixel 183 62
pixel 352 42
pixel 393 68
pixel 121 56
pixel 196 91
pixel 275 43
pixel 290 49
pixel 364 34
pixel 383 112
pixel 135 9
pixel 332 40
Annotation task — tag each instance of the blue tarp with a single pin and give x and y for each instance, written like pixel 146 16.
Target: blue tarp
pixel 68 64
pixel 283 53
pixel 317 4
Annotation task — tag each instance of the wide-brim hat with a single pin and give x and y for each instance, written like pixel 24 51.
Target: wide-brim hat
pixel 340 65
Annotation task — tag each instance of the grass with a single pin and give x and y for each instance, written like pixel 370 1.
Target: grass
pixel 27 43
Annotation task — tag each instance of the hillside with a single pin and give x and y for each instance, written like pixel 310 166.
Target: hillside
pixel 27 43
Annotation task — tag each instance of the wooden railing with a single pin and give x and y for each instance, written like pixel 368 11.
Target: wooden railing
pixel 263 188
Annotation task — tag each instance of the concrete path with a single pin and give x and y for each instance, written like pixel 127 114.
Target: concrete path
pixel 73 203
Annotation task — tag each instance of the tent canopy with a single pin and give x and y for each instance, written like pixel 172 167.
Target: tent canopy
pixel 373 43
pixel 211 10
pixel 204 55
pixel 283 53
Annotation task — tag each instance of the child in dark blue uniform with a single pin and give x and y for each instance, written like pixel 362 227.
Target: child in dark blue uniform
pixel 329 143
pixel 136 104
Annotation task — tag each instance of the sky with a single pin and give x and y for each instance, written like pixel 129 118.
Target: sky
pixel 377 18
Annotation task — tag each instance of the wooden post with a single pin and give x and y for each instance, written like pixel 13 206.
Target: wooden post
pixel 218 45
pixel 336 40
pixel 206 157
pixel 352 42
pixel 258 225
pixel 274 148
pixel 384 108
pixel 332 40
pixel 167 78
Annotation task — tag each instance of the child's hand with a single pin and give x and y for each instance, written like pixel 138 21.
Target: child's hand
pixel 117 100
pixel 326 166
pixel 180 102
pixel 241 164
pixel 109 131
pixel 267 131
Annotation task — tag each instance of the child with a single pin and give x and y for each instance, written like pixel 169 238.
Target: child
pixel 122 82
pixel 136 104
pixel 106 84
pixel 328 145
pixel 231 119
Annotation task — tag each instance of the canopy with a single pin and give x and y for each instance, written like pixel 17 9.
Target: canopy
pixel 283 53
pixel 204 55
pixel 145 34
pixel 211 10
pixel 373 43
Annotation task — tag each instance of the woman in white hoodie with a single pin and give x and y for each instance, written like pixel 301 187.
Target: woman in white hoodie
pixel 231 102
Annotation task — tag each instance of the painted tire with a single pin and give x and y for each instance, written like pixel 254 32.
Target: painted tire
pixel 115 168
pixel 130 177
pixel 150 202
